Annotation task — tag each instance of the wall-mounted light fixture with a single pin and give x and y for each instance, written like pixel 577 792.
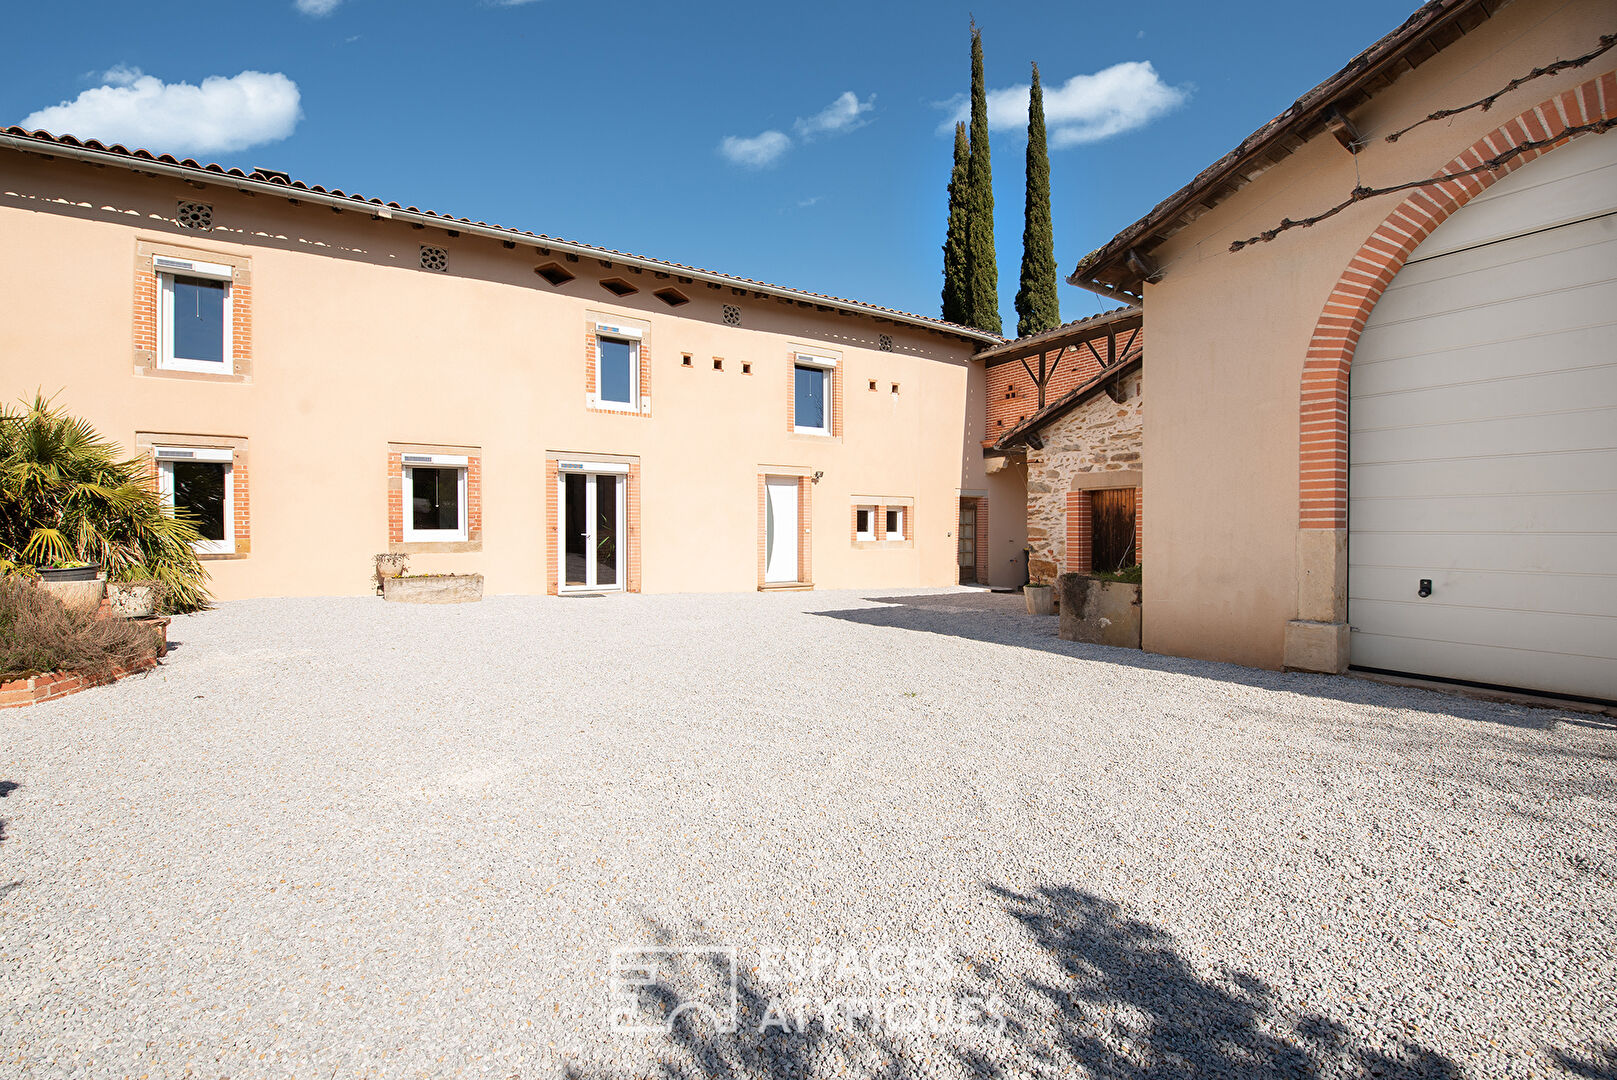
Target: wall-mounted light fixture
pixel 816 477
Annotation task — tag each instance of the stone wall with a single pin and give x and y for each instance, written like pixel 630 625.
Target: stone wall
pixel 1099 436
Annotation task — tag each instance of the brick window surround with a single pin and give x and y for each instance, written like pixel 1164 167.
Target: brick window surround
pixel 879 526
pixel 240 474
pixel 1078 553
pixel 631 514
pixel 1323 457
pixel 598 324
pixel 805 516
pixel 835 403
pixel 148 298
pixel 396 544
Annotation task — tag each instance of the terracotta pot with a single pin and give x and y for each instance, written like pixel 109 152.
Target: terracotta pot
pixel 82 596
pixel 1041 599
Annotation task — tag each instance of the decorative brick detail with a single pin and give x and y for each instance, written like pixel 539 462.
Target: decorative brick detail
pixel 791 393
pixel 592 388
pixel 552 527
pixel 631 511
pixel 1013 396
pixel 805 518
pixel 1323 450
pixel 148 296
pixel 47 687
pixel 396 500
pixel 1079 558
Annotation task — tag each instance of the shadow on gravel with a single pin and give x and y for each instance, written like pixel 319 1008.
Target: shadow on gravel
pixel 6 788
pixel 1601 1066
pixel 1108 996
pixel 1129 1005
pixel 998 619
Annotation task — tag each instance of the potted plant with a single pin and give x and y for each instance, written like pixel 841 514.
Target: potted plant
pixel 69 571
pixel 1041 599
pixel 390 565
pixel 70 503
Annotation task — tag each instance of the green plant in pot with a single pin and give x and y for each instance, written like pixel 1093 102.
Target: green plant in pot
pixel 70 500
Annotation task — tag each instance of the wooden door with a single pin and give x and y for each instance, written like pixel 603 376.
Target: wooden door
pixel 968 540
pixel 1112 529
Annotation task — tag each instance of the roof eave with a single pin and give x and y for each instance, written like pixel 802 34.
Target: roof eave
pixel 1105 270
pixel 379 210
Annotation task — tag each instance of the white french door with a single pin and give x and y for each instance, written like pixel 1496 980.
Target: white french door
pixel 592 527
pixel 780 529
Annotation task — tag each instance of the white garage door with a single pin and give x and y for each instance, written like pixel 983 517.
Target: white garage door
pixel 1483 441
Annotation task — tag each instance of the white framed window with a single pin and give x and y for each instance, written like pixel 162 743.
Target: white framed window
pixel 864 523
pixel 811 394
pixel 895 522
pixel 197 481
pixel 195 331
pixel 434 498
pixel 617 368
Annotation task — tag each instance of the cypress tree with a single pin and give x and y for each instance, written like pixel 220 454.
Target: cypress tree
pixel 981 263
pixel 1037 305
pixel 956 285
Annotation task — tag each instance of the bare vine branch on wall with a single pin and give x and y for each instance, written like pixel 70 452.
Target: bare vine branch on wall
pixel 1361 193
pixel 1606 42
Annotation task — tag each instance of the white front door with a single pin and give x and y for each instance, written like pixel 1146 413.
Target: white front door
pixel 592 531
pixel 780 529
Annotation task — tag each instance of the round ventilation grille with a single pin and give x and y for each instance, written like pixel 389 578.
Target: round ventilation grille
pixel 194 215
pixel 732 315
pixel 433 258
pixel 885 343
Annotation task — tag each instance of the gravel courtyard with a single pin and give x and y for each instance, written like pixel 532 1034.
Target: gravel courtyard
pixel 345 838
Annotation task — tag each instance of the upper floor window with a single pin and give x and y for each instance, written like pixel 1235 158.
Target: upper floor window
pixel 197 482
pixel 811 390
pixel 435 494
pixel 195 331
pixel 618 365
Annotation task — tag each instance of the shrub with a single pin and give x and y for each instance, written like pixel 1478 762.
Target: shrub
pixel 38 634
pixel 67 496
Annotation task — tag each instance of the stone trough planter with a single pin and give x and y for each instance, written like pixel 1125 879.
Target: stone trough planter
pixel 77 593
pixel 1099 612
pixel 1041 599
pixel 433 588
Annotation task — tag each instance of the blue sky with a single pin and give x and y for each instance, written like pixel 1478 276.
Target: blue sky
pixel 806 146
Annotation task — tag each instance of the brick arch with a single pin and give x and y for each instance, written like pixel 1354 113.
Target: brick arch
pixel 1322 486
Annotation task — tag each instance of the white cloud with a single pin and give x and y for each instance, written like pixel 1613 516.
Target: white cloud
pixel 1085 108
pixel 757 151
pixel 842 115
pixel 222 114
pixel 120 75
pixel 317 7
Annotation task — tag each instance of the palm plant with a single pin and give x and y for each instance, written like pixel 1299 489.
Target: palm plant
pixel 67 495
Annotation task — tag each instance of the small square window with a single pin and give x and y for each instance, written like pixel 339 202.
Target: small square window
pixel 864 523
pixel 873 384
pixel 617 371
pixel 895 523
pixel 746 368
pixel 718 363
pixel 895 388
pixel 811 407
pixel 194 331
pixel 197 483
pixel 437 498
pixel 685 360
